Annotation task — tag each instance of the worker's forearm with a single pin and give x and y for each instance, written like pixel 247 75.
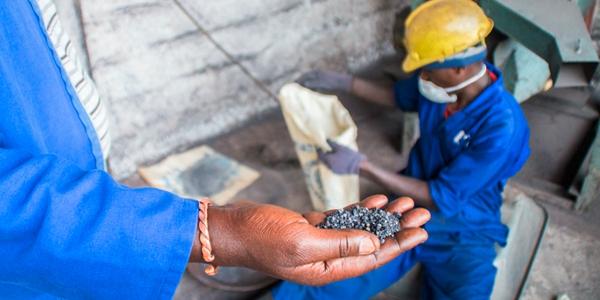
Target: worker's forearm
pixel 373 92
pixel 225 247
pixel 399 184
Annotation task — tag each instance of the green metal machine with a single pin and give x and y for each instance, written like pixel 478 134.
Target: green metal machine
pixel 556 31
pixel 552 29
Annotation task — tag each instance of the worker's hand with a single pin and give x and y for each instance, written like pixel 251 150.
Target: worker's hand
pixel 341 159
pixel 287 245
pixel 326 81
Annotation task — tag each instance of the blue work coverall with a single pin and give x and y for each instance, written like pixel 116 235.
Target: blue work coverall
pixel 67 229
pixel 466 160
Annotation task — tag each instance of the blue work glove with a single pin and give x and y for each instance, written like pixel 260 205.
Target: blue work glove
pixel 341 159
pixel 326 81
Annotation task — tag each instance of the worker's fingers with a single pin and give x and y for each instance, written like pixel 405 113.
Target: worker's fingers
pixel 341 268
pixel 314 218
pixel 331 144
pixel 308 77
pixel 400 205
pixel 375 201
pixel 404 240
pixel 348 253
pixel 415 218
pixel 326 244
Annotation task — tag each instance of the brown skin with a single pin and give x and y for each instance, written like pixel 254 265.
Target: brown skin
pixel 287 245
pixel 372 92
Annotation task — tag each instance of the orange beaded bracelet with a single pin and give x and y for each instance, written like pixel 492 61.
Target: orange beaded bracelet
pixel 204 236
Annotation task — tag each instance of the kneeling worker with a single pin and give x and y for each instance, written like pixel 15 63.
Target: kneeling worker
pixel 474 137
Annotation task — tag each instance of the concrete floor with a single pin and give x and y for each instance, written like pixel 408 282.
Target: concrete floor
pixel 569 259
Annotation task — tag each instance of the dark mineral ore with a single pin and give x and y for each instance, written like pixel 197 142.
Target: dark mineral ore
pixel 377 221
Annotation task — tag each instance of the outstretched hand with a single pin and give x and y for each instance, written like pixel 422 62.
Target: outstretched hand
pixel 287 245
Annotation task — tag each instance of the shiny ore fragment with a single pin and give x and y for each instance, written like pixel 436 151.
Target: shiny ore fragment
pixel 377 221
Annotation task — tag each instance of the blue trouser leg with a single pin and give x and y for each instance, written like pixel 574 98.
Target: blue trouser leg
pixel 458 272
pixel 362 287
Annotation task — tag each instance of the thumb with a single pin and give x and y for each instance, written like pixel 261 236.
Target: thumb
pixel 325 244
pixel 334 146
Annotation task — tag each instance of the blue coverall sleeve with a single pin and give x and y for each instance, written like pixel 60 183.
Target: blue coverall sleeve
pixel 80 235
pixel 406 94
pixel 484 163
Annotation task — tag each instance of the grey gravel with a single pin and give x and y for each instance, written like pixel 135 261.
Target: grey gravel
pixel 377 221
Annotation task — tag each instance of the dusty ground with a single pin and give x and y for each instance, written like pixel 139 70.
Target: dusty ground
pixel 569 259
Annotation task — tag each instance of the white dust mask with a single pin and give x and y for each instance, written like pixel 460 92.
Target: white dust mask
pixel 439 94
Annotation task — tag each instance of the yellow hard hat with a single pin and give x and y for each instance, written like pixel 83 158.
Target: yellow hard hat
pixel 438 29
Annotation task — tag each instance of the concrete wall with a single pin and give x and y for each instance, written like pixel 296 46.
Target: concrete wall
pixel 178 72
